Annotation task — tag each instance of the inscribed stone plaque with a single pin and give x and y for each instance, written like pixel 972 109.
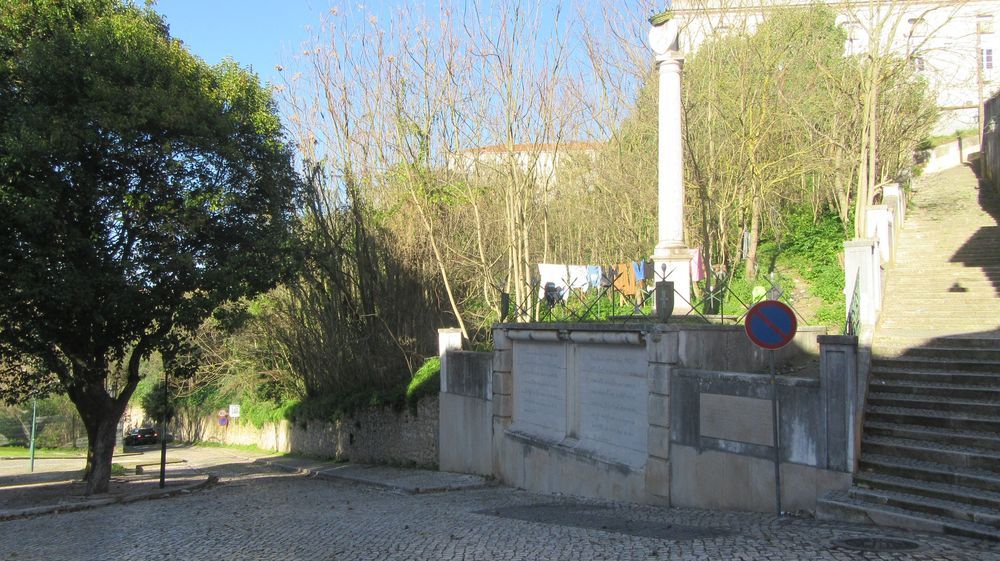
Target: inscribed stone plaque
pixel 741 419
pixel 539 380
pixel 613 393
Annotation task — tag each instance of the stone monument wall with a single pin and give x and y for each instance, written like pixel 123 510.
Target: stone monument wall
pixel 664 414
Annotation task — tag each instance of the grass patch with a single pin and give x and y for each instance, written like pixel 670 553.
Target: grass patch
pixel 24 452
pixel 117 469
pixel 939 139
pixel 243 447
pixel 811 248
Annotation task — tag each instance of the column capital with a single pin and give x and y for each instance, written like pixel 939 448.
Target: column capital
pixel 670 60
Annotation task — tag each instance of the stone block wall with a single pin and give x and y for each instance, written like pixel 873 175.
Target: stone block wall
pixel 989 163
pixel 375 435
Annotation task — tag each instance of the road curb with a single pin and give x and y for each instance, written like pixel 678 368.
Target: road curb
pixel 324 473
pixel 96 503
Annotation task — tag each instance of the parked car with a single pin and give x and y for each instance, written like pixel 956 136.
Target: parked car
pixel 136 437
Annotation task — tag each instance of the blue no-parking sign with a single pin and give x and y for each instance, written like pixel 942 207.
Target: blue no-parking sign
pixel 770 324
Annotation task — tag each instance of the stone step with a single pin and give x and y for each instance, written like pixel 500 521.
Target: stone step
pixel 979 439
pixel 915 283
pixel 903 280
pixel 934 472
pixel 992 266
pixel 948 454
pixel 957 493
pixel 932 418
pixel 919 291
pixel 930 363
pixel 947 353
pixel 942 238
pixel 935 403
pixel 923 375
pixel 942 288
pixel 940 301
pixel 953 324
pixel 933 506
pixel 910 339
pixel 916 286
pixel 841 506
pixel 954 303
pixel 932 391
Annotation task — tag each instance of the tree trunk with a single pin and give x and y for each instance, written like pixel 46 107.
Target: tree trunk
pixel 102 437
pixel 754 239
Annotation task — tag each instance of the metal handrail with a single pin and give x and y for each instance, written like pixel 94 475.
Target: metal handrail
pixel 853 324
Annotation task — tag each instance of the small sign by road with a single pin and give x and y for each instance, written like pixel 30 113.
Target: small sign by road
pixel 234 411
pixel 770 324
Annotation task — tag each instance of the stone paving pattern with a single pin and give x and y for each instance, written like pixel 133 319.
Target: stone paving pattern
pixel 261 513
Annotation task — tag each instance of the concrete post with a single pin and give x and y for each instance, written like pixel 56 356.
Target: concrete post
pixel 662 357
pixel 892 196
pixel 448 339
pixel 671 257
pixel 860 264
pixel 841 394
pixel 879 226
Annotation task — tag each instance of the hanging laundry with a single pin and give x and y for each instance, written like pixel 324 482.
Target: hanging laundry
pixel 578 277
pixel 639 269
pixel 697 265
pixel 594 276
pixel 625 279
pixel 608 275
pixel 557 275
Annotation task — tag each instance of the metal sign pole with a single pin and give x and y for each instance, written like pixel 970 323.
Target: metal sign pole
pixel 34 418
pixel 777 444
pixel 163 431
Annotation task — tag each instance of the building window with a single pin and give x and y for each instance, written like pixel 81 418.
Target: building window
pixel 984 24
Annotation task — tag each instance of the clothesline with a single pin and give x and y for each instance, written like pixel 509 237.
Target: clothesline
pixel 628 278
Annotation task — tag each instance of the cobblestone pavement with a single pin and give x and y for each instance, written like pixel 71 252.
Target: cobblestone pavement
pixel 263 515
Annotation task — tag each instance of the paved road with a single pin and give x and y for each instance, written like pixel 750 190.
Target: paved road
pixel 257 514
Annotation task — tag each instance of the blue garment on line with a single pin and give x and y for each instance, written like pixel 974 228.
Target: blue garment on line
pixel 594 276
pixel 639 268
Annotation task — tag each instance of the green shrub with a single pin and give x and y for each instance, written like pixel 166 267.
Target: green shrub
pixel 259 412
pixel 426 380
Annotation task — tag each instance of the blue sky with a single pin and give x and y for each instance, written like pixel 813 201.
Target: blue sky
pixel 257 33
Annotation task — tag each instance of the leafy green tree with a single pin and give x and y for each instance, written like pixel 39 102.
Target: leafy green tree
pixel 156 404
pixel 140 188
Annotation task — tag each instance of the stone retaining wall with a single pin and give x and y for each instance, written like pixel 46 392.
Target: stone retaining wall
pixel 376 435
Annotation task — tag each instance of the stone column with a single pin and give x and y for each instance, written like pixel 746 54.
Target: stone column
pixel 841 400
pixel 861 262
pixel 671 257
pixel 448 339
pixel 662 356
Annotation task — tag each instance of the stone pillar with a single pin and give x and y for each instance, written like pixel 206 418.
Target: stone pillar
pixel 861 265
pixel 671 257
pixel 879 225
pixel 893 197
pixel 448 339
pixel 841 394
pixel 661 351
pixel 503 365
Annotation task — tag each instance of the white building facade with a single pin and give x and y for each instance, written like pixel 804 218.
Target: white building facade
pixel 952 43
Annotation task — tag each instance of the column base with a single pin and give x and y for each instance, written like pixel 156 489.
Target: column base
pixel 674 264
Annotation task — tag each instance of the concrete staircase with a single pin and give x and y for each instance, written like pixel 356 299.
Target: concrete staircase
pixel 930 451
